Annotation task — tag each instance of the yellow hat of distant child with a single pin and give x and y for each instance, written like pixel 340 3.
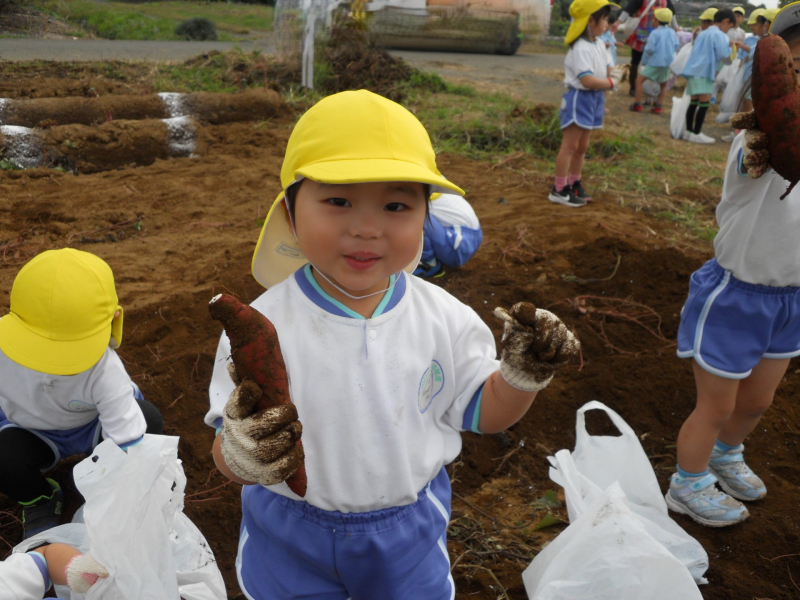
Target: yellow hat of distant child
pixel 349 137
pixel 740 10
pixel 708 14
pixel 61 318
pixel 783 18
pixel 753 18
pixel 663 15
pixel 580 11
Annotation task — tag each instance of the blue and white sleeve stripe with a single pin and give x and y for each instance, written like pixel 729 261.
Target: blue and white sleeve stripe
pixel 472 414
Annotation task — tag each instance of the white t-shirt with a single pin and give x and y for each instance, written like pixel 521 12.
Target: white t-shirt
pixel 586 58
pixel 41 401
pixel 22 579
pixel 382 400
pixel 758 232
pixel 736 34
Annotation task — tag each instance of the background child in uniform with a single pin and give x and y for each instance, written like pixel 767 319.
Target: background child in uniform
pixel 29 576
pixel 710 48
pixel 385 369
pixel 62 386
pixel 452 235
pixel 706 21
pixel 610 40
pixel 659 52
pixel 588 73
pixel 740 325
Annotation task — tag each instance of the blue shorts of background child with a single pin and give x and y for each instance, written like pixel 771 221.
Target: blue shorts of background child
pixel 63 388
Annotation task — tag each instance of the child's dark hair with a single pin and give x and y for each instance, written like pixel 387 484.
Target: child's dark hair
pixel 612 18
pixel 291 197
pixel 724 13
pixel 666 23
pixel 761 20
pixel 598 16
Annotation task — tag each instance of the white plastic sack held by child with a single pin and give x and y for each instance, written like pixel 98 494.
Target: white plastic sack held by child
pixel 677 121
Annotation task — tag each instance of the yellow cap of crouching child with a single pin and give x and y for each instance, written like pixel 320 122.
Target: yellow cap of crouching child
pixel 663 15
pixel 349 137
pixel 580 11
pixel 708 14
pixel 753 18
pixel 61 318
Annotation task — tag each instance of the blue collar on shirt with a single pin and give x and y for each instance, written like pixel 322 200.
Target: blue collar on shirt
pixel 312 290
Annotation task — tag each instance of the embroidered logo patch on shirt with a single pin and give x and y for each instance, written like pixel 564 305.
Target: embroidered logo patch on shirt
pixel 80 406
pixel 430 385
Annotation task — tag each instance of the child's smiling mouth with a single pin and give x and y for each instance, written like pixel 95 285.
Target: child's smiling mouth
pixel 361 261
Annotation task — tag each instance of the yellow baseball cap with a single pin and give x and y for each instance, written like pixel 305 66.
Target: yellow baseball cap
pixel 663 15
pixel 740 10
pixel 580 11
pixel 708 14
pixel 349 137
pixel 753 18
pixel 61 318
pixel 783 18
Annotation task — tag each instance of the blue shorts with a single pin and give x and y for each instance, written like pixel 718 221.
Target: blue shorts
pixel 289 549
pixel 728 325
pixel 583 108
pixel 68 442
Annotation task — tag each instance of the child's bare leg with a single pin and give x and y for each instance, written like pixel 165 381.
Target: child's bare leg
pixel 754 397
pixel 570 141
pixel 576 163
pixel 639 84
pixel 663 93
pixel 716 401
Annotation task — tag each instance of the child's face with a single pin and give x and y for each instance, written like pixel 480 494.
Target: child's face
pixel 725 25
pixel 739 18
pixel 705 24
pixel 598 28
pixel 613 28
pixel 360 234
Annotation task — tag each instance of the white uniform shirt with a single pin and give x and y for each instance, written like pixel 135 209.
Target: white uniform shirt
pixel 41 401
pixel 22 578
pixel 737 34
pixel 586 58
pixel 758 232
pixel 382 400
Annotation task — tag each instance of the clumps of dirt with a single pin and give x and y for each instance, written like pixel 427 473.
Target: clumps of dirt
pixel 538 113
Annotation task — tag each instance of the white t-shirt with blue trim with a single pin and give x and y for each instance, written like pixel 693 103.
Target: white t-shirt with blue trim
pixel 45 402
pixel 24 577
pixel 757 239
pixel 586 58
pixel 382 400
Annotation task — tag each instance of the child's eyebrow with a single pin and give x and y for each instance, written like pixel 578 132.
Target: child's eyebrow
pixel 406 189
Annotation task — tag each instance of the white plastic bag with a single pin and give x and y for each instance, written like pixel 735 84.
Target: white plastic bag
pixel 607 554
pixel 135 526
pixel 677 120
pixel 679 62
pixel 600 461
pixel 734 94
pixel 651 88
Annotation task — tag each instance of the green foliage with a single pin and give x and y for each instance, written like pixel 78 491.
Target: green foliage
pixel 6 164
pixel 198 28
pixel 434 83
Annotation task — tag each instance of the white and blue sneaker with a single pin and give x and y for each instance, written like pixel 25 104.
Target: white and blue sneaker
pixel 734 476
pixel 700 499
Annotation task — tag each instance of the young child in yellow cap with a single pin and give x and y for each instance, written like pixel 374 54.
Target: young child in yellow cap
pixel 588 72
pixel 62 386
pixel 659 52
pixel 386 370
pixel 30 575
pixel 740 324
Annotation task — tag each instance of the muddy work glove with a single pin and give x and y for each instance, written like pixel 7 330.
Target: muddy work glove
pixel 259 446
pixel 82 572
pixel 535 345
pixel 616 76
pixel 755 153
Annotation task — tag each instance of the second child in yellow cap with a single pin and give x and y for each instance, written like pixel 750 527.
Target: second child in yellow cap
pixel 736 34
pixel 62 385
pixel 659 52
pixel 589 72
pixel 386 369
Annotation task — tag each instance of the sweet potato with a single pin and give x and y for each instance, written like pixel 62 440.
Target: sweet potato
pixel 256 354
pixel 776 100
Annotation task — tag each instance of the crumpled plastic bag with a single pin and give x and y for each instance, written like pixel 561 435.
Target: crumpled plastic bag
pixel 610 477
pixel 135 526
pixel 677 120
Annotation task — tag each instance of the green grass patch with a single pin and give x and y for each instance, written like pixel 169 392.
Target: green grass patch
pixel 157 20
pixel 693 217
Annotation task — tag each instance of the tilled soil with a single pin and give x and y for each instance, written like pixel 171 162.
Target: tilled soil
pixel 180 230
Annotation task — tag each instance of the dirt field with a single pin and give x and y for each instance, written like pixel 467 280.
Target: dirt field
pixel 180 230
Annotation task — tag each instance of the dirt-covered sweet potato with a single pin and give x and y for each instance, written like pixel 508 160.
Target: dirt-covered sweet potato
pixel 256 354
pixel 776 100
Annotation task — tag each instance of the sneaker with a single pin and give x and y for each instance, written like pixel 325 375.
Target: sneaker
pixel 701 138
pixel 700 499
pixel 43 513
pixel 636 107
pixel 431 268
pixel 656 109
pixel 566 197
pixel 686 135
pixel 578 190
pixel 735 477
pixel 728 137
